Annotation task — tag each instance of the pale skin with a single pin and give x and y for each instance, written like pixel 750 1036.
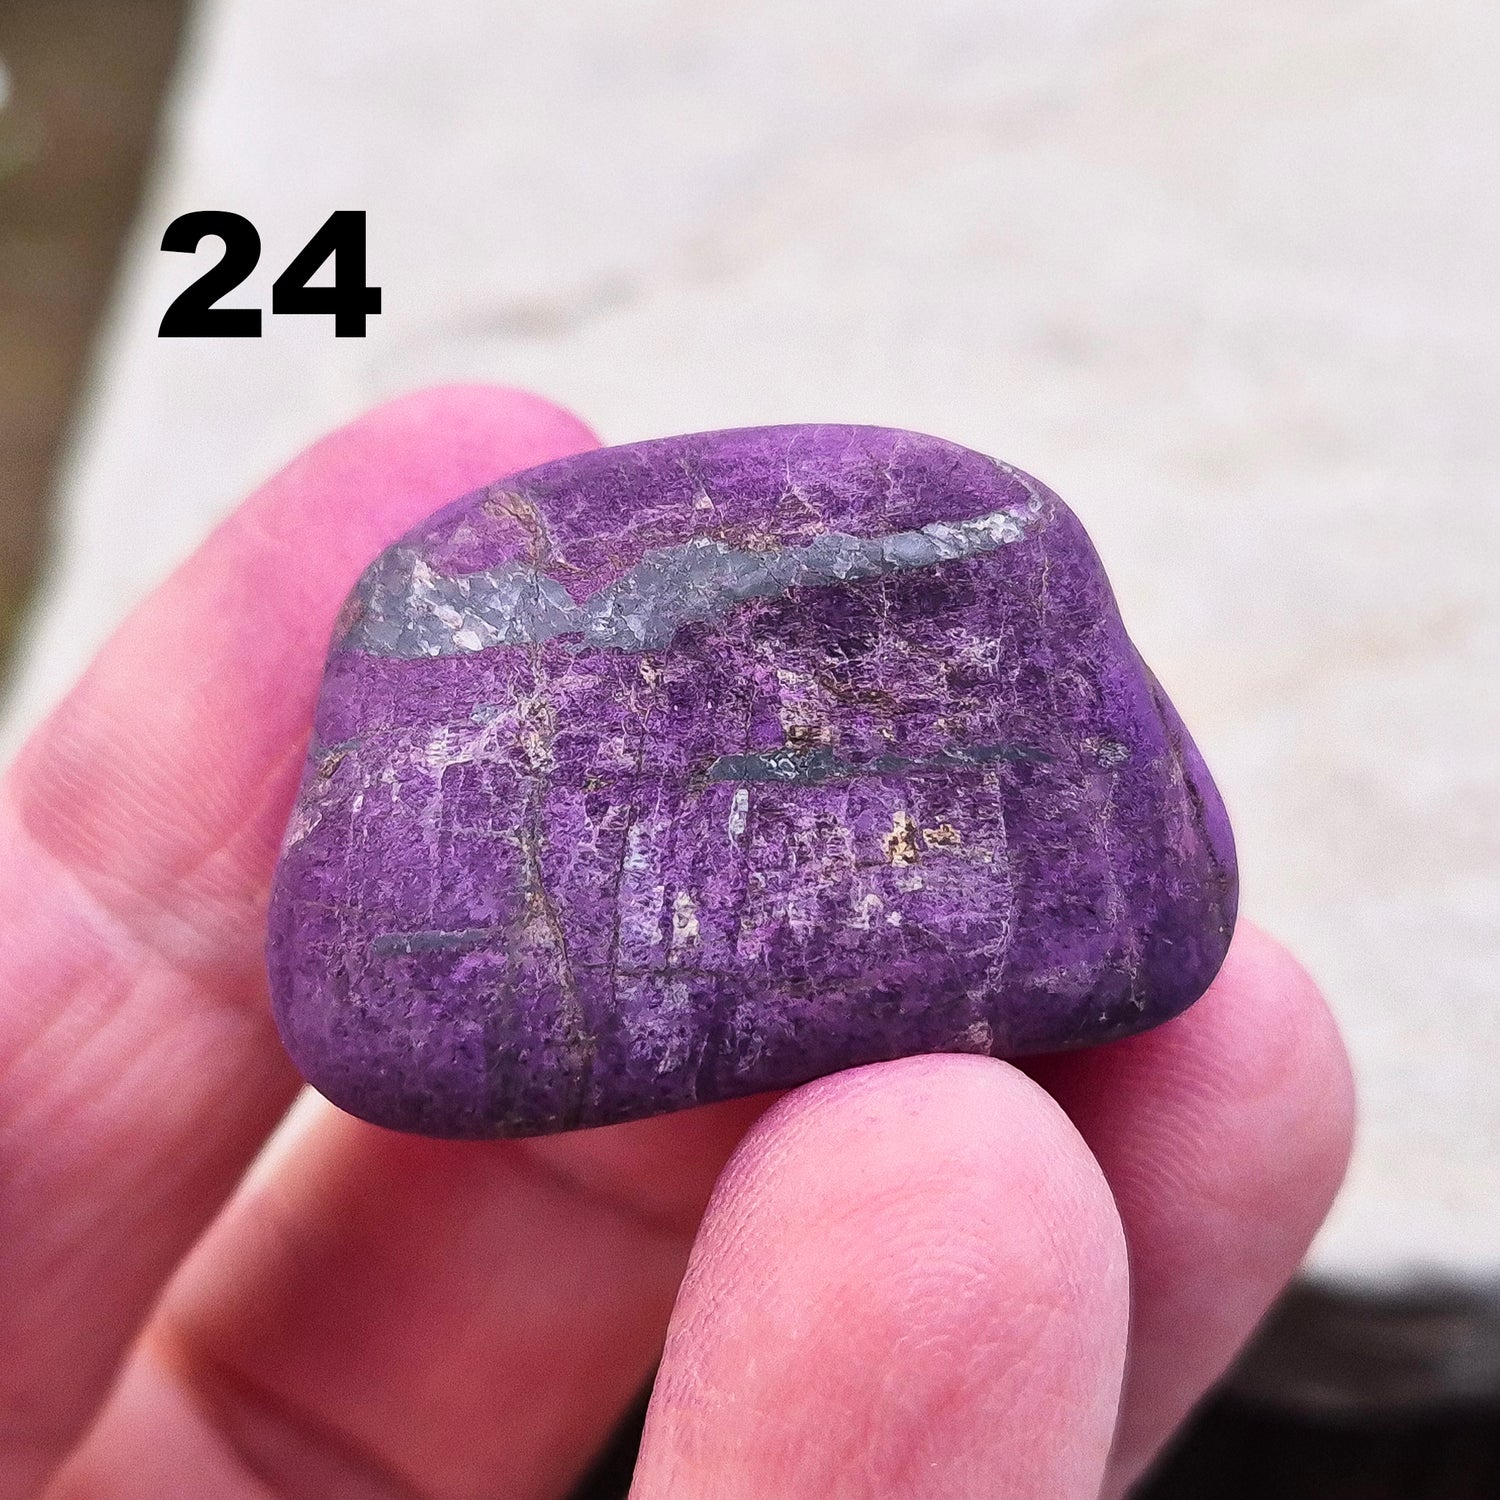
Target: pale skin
pixel 945 1277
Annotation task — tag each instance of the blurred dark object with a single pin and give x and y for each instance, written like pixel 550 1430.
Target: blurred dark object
pixel 609 1476
pixel 86 78
pixel 1403 1354
pixel 1238 1451
pixel 1353 1397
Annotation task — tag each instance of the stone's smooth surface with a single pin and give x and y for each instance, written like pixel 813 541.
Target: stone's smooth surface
pixel 698 767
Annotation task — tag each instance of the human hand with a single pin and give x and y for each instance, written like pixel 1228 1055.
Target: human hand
pixel 909 1281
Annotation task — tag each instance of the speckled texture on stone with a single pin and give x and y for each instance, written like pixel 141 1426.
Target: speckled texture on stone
pixel 703 766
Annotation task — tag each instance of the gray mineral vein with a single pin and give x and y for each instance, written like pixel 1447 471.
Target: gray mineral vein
pixel 814 767
pixel 412 610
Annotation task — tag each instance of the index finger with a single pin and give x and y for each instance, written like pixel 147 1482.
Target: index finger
pixel 139 1070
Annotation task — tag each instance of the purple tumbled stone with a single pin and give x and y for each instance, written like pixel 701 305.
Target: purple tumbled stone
pixel 687 769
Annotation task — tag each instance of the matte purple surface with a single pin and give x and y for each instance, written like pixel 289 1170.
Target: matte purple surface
pixel 688 769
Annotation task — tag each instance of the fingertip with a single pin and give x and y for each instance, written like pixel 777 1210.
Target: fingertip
pixel 1260 1049
pixel 1225 1134
pixel 908 1271
pixel 476 416
pixel 962 1116
pixel 1267 993
pixel 363 484
pixel 1263 1047
pixel 1294 1088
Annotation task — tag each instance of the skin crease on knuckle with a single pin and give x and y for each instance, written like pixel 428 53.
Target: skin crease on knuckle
pixel 888 1329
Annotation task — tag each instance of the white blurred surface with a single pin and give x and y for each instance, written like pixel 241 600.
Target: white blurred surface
pixel 1222 272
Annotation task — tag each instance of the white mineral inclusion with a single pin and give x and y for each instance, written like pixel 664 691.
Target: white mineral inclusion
pixel 684 918
pixel 739 813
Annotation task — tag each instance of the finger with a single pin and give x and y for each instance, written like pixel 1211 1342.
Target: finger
pixel 910 1282
pixel 1224 1135
pixel 389 1315
pixel 138 1067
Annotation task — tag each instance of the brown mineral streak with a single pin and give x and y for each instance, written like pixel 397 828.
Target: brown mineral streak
pixel 582 1042
pixel 900 843
pixel 515 506
pixel 536 744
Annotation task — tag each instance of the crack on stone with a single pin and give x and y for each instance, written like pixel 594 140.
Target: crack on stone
pixel 409 609
pixel 536 730
pixel 816 765
pixel 437 941
pixel 1224 881
pixel 582 1044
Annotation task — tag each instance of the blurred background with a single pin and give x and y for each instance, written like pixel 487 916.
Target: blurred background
pixel 1225 273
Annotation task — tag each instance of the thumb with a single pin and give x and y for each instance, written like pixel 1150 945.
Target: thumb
pixel 911 1282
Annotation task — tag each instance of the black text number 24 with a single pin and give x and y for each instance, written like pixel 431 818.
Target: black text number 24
pixel 194 314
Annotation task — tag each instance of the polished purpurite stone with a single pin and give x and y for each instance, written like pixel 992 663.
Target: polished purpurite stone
pixel 692 768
